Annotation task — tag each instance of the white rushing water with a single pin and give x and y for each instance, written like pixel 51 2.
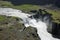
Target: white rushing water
pixel 41 26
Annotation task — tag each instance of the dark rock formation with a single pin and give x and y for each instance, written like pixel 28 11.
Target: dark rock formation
pixel 56 30
pixel 33 11
pixel 45 17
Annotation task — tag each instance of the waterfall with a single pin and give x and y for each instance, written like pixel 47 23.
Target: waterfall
pixel 41 26
pixel 41 29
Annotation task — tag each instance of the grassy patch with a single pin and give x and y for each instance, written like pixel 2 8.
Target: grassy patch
pixel 2 18
pixel 55 15
pixel 5 4
pixel 27 7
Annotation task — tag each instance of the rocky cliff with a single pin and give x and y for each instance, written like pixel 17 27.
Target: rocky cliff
pixel 11 28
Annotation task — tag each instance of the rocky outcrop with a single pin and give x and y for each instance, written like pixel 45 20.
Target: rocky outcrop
pixel 12 29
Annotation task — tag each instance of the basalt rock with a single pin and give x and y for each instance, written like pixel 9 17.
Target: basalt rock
pixel 56 30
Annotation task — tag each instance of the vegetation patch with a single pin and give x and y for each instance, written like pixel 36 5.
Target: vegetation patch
pixel 2 18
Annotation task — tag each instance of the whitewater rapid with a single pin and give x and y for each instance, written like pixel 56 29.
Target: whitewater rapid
pixel 41 26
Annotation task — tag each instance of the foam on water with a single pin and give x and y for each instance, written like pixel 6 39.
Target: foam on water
pixel 41 26
pixel 42 29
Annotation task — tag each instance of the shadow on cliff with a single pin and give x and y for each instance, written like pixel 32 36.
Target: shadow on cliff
pixel 56 30
pixel 35 2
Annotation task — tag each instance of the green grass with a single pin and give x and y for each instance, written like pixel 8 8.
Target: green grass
pixel 55 15
pixel 5 4
pixel 2 18
pixel 27 7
